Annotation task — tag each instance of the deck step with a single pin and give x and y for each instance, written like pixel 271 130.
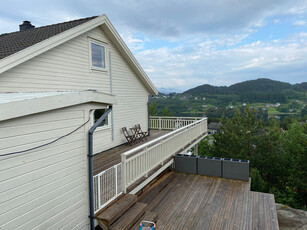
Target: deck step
pixel 148 216
pixel 112 213
pixel 155 188
pixel 130 217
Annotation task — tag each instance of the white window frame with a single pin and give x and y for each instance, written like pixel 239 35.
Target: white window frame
pixel 108 126
pixel 100 43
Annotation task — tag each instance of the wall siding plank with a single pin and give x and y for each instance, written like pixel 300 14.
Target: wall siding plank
pixel 37 186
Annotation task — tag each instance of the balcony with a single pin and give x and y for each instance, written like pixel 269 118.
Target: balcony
pixel 127 169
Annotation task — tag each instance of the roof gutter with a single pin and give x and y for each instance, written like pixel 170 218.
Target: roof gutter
pixel 90 165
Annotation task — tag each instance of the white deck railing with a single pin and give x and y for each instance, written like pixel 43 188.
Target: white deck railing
pixel 138 162
pixel 170 123
pixel 107 186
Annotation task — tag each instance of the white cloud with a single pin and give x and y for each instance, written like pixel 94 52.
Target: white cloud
pixel 299 9
pixel 132 42
pixel 283 59
pixel 299 23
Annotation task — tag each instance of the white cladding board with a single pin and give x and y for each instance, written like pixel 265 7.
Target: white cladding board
pixel 67 67
pixel 46 187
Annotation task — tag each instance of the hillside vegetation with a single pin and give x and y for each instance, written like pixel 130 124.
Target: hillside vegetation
pixel 260 90
pixel 272 97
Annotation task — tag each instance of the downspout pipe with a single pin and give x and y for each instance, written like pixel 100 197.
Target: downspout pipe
pixel 90 165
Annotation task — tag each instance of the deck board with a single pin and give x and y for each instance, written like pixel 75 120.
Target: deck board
pixel 202 202
pixel 109 158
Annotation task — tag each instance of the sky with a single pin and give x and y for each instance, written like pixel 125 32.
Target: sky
pixel 182 44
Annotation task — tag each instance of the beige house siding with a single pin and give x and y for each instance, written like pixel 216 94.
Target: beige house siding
pixel 46 187
pixel 67 67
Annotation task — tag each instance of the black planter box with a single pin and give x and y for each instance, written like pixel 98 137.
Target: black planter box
pixel 210 166
pixel 186 163
pixel 235 169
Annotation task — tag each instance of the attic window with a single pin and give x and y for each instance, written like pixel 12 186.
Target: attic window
pixel 97 114
pixel 98 57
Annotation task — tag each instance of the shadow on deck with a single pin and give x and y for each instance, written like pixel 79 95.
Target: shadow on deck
pixel 109 158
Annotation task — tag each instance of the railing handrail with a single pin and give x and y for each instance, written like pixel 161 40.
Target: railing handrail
pixel 129 152
pixel 114 166
pixel 174 118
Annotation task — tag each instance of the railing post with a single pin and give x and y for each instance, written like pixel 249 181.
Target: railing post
pixel 160 123
pixel 196 149
pixel 124 158
pixel 99 192
pixel 162 151
pixel 116 189
pixel 146 161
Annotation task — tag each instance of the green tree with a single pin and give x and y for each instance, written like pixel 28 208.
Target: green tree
pixel 257 182
pixel 166 112
pixel 278 157
pixel 295 144
pixel 205 147
pixel 153 109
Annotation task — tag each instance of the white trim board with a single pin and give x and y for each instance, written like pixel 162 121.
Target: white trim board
pixel 41 102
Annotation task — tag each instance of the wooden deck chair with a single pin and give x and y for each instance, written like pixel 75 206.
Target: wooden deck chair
pixel 141 134
pixel 136 134
pixel 131 138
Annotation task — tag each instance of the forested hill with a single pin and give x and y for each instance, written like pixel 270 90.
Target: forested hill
pixel 260 90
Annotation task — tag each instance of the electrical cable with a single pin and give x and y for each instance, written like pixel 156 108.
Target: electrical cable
pixel 43 145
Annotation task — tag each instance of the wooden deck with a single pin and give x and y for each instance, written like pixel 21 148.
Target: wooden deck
pixel 107 159
pixel 199 202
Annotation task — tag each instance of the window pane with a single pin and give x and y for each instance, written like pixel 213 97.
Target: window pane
pixel 97 114
pixel 98 55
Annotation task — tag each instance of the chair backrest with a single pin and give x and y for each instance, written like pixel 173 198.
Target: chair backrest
pixel 125 131
pixel 138 127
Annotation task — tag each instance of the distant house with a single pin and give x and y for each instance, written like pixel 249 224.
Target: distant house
pixel 277 117
pixel 55 82
pixel 213 127
pixel 184 98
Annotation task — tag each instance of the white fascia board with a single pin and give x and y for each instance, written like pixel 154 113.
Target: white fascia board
pixel 42 104
pixel 134 63
pixel 45 45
